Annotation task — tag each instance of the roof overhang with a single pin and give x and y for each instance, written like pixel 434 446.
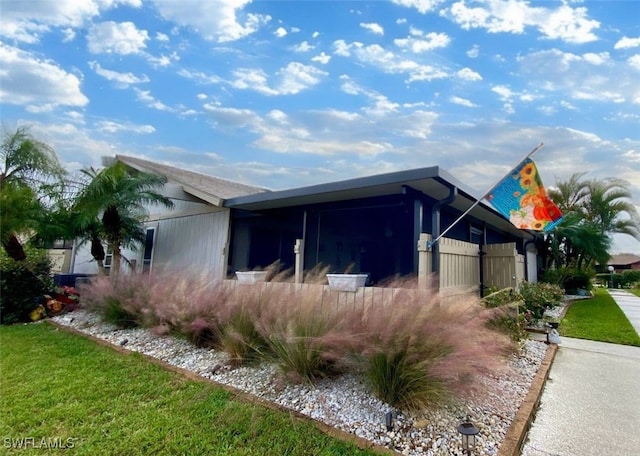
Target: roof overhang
pixel 432 181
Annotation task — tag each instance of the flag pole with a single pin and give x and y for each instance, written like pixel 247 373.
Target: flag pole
pixel 477 201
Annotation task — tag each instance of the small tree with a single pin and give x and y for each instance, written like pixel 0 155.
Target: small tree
pixel 112 207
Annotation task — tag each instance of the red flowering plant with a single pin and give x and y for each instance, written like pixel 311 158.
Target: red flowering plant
pixel 63 298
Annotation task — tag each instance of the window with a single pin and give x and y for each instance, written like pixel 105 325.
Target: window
pixel 108 259
pixel 147 258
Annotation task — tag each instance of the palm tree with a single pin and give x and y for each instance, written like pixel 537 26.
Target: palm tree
pixel 608 201
pixel 593 211
pixel 29 168
pixel 117 197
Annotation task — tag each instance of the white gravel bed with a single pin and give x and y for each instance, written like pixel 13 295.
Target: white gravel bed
pixel 346 402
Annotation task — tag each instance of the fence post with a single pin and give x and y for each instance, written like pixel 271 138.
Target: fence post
pixel 298 249
pixel 423 261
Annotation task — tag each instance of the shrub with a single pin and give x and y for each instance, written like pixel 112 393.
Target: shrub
pixel 629 278
pixel 569 278
pixel 509 320
pixel 538 296
pixel 577 280
pixel 22 284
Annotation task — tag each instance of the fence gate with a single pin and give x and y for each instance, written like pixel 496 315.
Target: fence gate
pixel 503 266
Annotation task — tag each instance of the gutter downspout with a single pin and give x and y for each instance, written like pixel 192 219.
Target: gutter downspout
pixel 526 256
pixel 482 253
pixel 435 227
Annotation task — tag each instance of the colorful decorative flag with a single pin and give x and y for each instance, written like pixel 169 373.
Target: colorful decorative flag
pixel 521 198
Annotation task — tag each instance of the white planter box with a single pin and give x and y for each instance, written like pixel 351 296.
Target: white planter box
pixel 347 282
pixel 250 277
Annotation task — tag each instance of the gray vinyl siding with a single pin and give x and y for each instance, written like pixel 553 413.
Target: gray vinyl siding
pixel 193 243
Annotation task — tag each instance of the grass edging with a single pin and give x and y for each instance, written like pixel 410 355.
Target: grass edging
pixel 515 437
pixel 239 394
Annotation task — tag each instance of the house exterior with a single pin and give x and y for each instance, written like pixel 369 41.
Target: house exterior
pixel 191 236
pixel 372 225
pixel 624 261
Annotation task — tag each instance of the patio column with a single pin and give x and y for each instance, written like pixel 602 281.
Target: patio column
pixel 424 261
pixel 298 249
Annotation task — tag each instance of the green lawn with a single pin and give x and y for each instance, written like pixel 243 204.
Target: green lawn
pixel 72 391
pixel 598 318
pixel 635 291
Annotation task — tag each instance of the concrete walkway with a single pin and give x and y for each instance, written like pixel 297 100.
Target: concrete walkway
pixel 630 305
pixel 590 405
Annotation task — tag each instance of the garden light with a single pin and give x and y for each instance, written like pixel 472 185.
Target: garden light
pixel 611 269
pixel 468 432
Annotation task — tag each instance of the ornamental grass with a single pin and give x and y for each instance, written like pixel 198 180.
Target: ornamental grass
pixel 416 351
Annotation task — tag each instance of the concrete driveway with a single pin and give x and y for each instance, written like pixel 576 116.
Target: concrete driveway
pixel 590 405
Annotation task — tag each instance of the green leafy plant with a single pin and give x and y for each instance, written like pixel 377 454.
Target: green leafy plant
pixel 403 380
pixel 509 321
pixel 538 296
pixel 23 284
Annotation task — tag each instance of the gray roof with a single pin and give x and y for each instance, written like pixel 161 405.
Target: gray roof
pixel 432 181
pixel 214 190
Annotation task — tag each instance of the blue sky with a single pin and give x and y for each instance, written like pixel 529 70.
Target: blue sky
pixel 283 94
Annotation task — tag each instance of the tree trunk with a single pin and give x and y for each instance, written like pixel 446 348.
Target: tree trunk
pixel 14 248
pixel 97 252
pixel 115 263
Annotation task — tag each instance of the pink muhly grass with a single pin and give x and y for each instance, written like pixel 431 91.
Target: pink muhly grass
pixel 449 340
pixel 304 340
pixel 123 301
pixel 189 303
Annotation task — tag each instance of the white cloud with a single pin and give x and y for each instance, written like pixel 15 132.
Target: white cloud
pixel 373 28
pixel 513 16
pixel 596 59
pixel 555 72
pixel 108 126
pixel 217 20
pixel 39 84
pixel 68 35
pixel 293 78
pixel 322 58
pixel 469 75
pixel 26 21
pixel 386 61
pixel 118 38
pixel 462 102
pixel 199 76
pixel 432 41
pixel 423 6
pixel 123 80
pixel 634 62
pixel 163 60
pixel 303 47
pixel 474 52
pixel 343 49
pixel 280 32
pixel 626 43
pixel 504 92
pixel 162 37
pixel 148 100
pixel 76 147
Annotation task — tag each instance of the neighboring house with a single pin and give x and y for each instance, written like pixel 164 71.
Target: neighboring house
pixel 369 224
pixel 624 261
